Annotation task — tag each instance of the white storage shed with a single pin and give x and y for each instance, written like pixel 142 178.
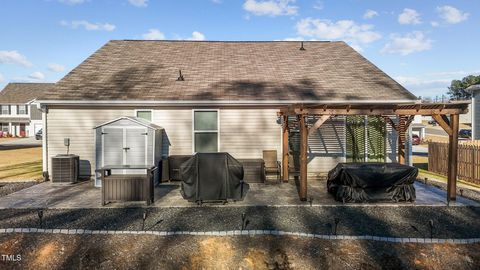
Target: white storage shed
pixel 127 141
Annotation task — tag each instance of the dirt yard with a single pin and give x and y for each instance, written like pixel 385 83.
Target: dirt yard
pixel 21 164
pixel 196 252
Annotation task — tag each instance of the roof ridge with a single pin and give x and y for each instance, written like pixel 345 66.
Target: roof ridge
pixel 231 41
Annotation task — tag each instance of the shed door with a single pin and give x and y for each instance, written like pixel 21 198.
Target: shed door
pixel 136 142
pixel 112 146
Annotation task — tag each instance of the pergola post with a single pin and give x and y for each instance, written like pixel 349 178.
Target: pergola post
pixel 401 139
pixel 452 158
pixel 303 157
pixel 285 150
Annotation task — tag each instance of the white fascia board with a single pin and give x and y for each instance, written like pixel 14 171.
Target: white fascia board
pixel 216 103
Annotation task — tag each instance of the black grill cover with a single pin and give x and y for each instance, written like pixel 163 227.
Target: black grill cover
pixel 364 182
pixel 212 177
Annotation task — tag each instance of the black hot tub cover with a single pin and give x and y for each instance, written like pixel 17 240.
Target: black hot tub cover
pixel 212 177
pixel 363 182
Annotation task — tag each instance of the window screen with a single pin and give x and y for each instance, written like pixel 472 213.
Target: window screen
pixel 206 131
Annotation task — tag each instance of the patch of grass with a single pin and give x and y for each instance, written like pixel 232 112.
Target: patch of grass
pixel 420 162
pixel 21 164
pixel 442 178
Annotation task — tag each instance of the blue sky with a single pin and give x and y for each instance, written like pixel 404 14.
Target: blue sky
pixel 422 44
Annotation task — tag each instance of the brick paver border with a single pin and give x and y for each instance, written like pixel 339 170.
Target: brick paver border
pixel 245 233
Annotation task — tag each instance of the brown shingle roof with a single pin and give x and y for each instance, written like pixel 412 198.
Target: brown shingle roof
pixel 226 71
pixel 19 93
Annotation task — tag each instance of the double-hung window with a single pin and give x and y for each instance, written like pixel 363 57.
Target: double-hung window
pixel 22 109
pixel 5 109
pixel 4 127
pixel 205 131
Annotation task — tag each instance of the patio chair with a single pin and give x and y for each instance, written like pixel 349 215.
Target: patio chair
pixel 272 165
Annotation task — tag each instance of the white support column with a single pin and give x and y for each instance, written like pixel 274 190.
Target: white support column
pixel 44 140
pixel 10 130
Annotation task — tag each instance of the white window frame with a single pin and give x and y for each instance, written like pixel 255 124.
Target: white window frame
pixel 2 125
pixel 135 113
pixel 18 110
pixel 9 109
pixel 205 131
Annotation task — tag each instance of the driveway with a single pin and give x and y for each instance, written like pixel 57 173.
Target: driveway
pixel 20 143
pixel 436 131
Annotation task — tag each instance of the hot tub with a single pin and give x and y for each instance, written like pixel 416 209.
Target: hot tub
pixel 369 182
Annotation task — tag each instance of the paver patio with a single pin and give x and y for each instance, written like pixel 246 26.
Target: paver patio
pixel 84 195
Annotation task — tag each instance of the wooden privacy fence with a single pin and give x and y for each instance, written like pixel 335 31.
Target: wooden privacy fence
pixel 468 160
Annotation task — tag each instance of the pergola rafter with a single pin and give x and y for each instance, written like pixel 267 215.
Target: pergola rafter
pixel 404 112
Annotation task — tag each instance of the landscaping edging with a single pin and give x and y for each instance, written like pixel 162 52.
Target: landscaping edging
pixel 245 233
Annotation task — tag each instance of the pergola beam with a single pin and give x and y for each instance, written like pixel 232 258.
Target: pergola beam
pixel 285 149
pixel 453 158
pixel 303 157
pixel 446 126
pixel 372 111
pixel 318 124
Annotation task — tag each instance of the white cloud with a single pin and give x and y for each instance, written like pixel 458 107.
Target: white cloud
pixel 73 2
pixel 197 36
pixel 139 3
pixel 33 77
pixel 153 34
pixel 409 43
pixel 409 16
pixel 349 31
pixel 434 24
pixel 14 57
pixel 89 26
pixel 452 15
pixel 37 76
pixel 370 14
pixel 318 5
pixel 56 67
pixel 271 7
pixel 217 1
pixel 2 79
pixel 432 84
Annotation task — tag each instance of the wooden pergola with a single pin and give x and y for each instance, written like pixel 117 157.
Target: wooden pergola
pixel 445 114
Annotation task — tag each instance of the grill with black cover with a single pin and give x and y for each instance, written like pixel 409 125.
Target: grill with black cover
pixel 367 182
pixel 212 177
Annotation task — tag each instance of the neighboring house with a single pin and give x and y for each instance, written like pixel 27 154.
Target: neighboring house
pixel 475 110
pixel 224 96
pixel 467 118
pixel 18 116
pixel 417 127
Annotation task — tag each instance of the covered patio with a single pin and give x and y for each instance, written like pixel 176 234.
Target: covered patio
pixel 167 195
pixel 398 116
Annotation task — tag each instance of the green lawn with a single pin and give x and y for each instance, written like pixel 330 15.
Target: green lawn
pixel 21 164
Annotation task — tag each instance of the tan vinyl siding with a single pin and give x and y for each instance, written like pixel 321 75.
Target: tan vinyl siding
pixel 326 146
pixel 245 133
pixel 78 124
pixel 177 123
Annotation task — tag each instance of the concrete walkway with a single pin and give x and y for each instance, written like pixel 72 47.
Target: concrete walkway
pixel 19 143
pixel 84 195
